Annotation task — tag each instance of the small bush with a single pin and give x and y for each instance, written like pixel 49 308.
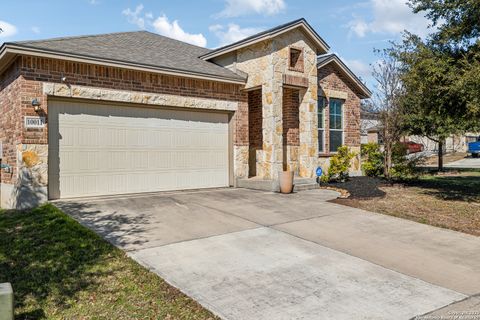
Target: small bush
pixel 372 165
pixel 340 164
pixel 405 166
pixel 324 178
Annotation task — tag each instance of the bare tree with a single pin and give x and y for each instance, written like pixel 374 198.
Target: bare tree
pixel 386 102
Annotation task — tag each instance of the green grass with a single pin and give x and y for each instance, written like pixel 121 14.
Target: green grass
pixel 61 270
pixel 464 186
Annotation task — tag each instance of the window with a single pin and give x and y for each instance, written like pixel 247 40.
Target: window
pixel 322 102
pixel 336 124
pixel 296 59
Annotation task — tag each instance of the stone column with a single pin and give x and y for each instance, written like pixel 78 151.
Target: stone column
pixel 272 130
pixel 308 152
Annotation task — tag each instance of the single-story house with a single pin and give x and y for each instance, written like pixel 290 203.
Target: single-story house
pixel 137 112
pixel 370 127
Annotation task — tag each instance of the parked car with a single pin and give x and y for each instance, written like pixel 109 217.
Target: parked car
pixel 413 147
pixel 474 148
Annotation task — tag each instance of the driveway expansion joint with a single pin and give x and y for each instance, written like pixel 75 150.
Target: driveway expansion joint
pixel 279 256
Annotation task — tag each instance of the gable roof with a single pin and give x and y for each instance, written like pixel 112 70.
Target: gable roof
pixel 140 49
pixel 322 46
pixel 367 113
pixel 326 59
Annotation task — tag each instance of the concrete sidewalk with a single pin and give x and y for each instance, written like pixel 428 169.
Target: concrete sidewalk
pixel 467 163
pixel 439 256
pixel 258 255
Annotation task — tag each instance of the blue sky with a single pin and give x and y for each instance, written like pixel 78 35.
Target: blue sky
pixel 352 28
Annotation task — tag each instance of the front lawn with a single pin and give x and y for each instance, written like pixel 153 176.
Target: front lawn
pixel 449 201
pixel 61 270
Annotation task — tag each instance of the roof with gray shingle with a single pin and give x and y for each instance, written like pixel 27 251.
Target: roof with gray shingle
pixel 325 57
pixel 138 47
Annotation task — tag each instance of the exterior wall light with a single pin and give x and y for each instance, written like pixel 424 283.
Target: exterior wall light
pixel 36 104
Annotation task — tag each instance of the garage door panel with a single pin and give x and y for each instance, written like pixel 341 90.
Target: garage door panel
pixel 105 149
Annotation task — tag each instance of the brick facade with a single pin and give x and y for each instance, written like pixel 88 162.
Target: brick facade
pixel 290 113
pixel 329 78
pixel 255 125
pixel 10 121
pixel 274 128
pixel 255 119
pixel 24 80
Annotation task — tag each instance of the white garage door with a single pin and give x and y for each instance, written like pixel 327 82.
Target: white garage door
pixel 106 149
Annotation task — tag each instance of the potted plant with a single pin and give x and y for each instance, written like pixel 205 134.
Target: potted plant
pixel 285 177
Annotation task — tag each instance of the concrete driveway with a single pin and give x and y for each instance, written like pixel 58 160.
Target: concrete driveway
pixel 467 163
pixel 247 254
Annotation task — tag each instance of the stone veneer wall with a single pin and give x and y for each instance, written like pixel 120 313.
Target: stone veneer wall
pixel 334 84
pixel 266 63
pixel 32 77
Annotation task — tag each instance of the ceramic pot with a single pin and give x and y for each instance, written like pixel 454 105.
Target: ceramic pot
pixel 285 179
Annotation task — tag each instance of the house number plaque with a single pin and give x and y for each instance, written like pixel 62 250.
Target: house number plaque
pixel 34 122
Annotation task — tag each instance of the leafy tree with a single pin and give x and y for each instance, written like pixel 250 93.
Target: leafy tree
pixel 458 21
pixel 441 74
pixel 458 37
pixel 432 102
pixel 468 86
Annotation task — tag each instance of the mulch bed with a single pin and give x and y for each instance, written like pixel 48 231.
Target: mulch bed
pixel 360 187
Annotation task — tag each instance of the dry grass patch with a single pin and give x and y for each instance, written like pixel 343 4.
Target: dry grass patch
pixel 449 201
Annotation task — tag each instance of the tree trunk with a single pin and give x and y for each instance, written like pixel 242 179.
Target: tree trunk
pixel 388 160
pixel 440 155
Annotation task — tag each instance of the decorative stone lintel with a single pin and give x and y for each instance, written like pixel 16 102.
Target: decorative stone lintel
pixel 83 92
pixel 295 81
pixel 335 94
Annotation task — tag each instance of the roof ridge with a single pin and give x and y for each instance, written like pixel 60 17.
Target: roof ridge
pixel 267 33
pixel 107 34
pixel 76 37
pixel 326 55
pixel 264 32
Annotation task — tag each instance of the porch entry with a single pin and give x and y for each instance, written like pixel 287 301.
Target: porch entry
pixel 291 134
pixel 290 130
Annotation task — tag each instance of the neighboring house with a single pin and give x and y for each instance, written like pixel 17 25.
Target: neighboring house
pixel 138 112
pixel 370 127
pixel 454 143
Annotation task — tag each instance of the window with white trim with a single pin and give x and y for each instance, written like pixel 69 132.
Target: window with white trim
pixel 336 124
pixel 322 103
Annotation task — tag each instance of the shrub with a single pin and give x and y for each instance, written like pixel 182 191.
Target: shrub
pixel 372 165
pixel 405 166
pixel 324 178
pixel 340 164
